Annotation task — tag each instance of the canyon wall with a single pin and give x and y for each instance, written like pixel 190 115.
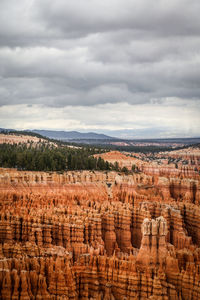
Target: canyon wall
pixel 99 235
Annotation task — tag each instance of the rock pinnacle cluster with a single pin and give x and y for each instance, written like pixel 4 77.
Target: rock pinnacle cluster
pixel 100 235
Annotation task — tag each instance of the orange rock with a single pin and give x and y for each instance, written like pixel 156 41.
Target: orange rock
pixel 77 235
pixel 6 288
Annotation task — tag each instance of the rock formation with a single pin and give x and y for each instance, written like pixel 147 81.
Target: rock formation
pixel 98 235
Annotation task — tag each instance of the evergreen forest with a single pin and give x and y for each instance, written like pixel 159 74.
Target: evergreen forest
pixel 48 157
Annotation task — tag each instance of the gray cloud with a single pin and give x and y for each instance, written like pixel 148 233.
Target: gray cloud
pixel 77 53
pixel 79 18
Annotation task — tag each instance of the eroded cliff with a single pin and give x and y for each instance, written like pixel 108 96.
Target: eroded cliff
pixel 98 235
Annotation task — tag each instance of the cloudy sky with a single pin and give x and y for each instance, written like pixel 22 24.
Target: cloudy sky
pixel 128 68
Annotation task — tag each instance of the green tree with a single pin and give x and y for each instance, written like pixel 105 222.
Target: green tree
pixel 125 170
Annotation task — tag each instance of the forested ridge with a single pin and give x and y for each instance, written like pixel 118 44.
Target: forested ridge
pixel 48 157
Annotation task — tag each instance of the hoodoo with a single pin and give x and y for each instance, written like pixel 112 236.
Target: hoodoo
pixel 72 236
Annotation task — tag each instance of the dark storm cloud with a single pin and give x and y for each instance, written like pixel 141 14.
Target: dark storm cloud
pixel 85 53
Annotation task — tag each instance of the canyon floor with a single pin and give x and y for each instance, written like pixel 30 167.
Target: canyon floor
pixel 103 235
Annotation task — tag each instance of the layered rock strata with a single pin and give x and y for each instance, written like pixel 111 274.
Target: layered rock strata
pixel 98 235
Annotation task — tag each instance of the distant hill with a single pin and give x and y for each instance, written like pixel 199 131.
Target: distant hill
pixel 6 130
pixel 98 138
pixel 72 135
pixel 21 132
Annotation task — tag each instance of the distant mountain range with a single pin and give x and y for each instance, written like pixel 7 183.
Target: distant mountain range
pixel 65 135
pixel 93 138
pixel 72 135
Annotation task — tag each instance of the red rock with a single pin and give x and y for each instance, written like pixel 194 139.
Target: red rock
pixel 70 236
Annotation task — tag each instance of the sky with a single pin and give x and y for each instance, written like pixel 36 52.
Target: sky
pixel 125 68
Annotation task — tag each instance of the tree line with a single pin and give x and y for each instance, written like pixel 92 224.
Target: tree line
pixel 46 157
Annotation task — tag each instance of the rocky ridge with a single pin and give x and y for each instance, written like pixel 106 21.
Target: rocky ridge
pixel 23 139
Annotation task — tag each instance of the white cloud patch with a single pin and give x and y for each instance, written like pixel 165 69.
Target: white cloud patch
pixel 170 120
